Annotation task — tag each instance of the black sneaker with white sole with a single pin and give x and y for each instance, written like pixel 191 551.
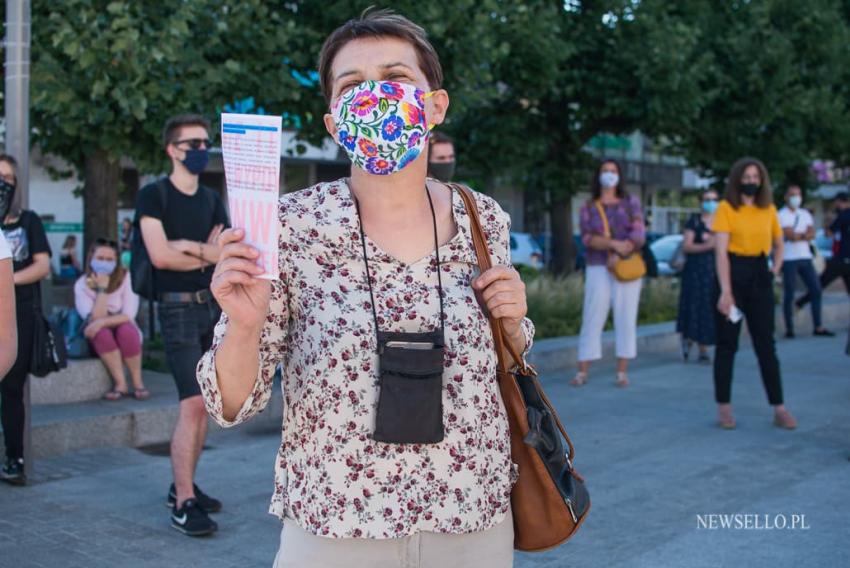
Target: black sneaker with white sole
pixel 13 472
pixel 192 520
pixel 209 504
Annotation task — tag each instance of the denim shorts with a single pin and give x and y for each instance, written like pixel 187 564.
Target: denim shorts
pixel 187 331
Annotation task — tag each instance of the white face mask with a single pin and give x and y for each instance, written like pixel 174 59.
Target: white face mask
pixel 795 201
pixel 609 179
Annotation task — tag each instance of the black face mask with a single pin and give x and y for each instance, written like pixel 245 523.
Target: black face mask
pixel 750 189
pixel 443 171
pixel 7 195
pixel 196 160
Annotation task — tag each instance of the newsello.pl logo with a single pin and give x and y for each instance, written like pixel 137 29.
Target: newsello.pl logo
pixel 752 522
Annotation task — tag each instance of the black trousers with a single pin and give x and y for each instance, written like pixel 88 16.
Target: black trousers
pixel 752 287
pixel 12 386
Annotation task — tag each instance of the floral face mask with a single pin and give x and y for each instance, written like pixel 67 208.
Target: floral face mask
pixel 382 125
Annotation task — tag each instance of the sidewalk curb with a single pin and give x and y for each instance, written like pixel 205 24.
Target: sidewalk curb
pixel 62 428
pixel 559 355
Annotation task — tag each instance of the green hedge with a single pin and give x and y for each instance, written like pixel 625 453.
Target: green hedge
pixel 554 304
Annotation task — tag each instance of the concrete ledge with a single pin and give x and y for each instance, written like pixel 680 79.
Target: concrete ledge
pixel 82 380
pixel 61 428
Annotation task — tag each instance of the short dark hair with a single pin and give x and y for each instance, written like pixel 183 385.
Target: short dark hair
pixel 764 198
pixel 596 188
pixel 175 123
pixel 379 24
pixel 12 162
pixel 440 138
pixel 797 185
pixel 706 191
pixel 842 196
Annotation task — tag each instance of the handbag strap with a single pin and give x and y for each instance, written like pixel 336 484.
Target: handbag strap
pixel 604 217
pixel 482 253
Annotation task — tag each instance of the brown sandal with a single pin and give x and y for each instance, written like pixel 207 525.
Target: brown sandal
pixel 114 395
pixel 141 394
pixel 579 380
pixel 622 380
pixel 725 419
pixel 784 419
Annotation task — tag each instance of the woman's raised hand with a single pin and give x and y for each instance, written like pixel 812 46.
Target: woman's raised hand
pixel 235 286
pixel 102 280
pixel 725 303
pixel 503 293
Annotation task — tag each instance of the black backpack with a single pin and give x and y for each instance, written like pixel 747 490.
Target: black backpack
pixel 49 353
pixel 142 271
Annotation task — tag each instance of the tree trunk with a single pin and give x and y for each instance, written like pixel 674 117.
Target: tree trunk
pixel 563 246
pixel 100 197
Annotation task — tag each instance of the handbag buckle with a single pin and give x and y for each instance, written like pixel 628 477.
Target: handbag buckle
pixel 528 370
pixel 569 503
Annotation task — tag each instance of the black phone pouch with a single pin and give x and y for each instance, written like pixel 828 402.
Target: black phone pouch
pixel 410 402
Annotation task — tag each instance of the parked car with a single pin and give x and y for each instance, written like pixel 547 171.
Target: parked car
pixel 525 251
pixel 580 251
pixel 665 248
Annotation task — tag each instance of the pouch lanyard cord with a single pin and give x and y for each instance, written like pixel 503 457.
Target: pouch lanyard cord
pixel 369 275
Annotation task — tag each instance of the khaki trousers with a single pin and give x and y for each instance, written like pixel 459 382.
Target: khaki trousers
pixel 492 548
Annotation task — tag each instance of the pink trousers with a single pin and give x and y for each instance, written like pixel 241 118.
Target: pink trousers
pixel 124 337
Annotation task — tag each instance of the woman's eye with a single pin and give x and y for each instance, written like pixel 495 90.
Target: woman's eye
pixel 347 87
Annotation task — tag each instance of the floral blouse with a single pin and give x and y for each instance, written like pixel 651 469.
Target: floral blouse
pixel 625 218
pixel 330 476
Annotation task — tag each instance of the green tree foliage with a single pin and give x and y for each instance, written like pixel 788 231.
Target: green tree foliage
pixel 531 82
pixel 105 76
pixel 571 73
pixel 776 86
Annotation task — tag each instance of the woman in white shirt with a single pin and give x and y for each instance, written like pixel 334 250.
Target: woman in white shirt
pixel 105 299
pixel 8 328
pixel 798 228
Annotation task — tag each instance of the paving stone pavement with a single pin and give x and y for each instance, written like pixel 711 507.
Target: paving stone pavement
pixel 653 458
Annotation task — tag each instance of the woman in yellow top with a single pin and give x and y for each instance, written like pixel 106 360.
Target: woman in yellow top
pixel 746 226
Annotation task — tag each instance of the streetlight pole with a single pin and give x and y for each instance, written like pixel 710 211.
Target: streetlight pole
pixel 17 94
pixel 17 104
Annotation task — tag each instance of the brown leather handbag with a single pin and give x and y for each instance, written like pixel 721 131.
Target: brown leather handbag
pixel 549 500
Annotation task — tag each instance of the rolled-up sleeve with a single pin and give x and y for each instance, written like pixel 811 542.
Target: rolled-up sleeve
pixel 584 225
pixel 272 347
pixel 528 332
pixel 83 303
pixel 129 299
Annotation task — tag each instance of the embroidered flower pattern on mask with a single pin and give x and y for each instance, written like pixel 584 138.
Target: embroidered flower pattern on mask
pixel 382 125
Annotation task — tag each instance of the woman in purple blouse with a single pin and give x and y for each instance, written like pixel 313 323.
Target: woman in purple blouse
pixel 602 291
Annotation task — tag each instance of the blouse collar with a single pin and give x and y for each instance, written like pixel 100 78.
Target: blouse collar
pixel 458 249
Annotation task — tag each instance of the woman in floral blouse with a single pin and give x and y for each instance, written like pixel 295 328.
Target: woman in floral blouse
pixel 602 291
pixel 358 258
